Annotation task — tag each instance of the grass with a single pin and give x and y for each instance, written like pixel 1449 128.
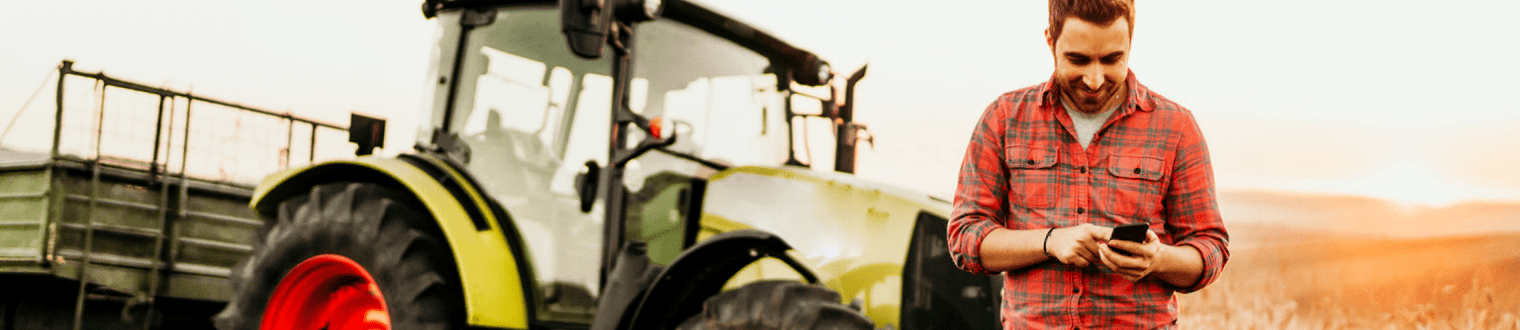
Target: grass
pixel 1364 283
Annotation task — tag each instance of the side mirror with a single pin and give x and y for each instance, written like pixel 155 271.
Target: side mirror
pixel 585 24
pixel 367 132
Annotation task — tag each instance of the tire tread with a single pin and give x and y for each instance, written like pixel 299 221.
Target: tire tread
pixel 776 304
pixel 382 229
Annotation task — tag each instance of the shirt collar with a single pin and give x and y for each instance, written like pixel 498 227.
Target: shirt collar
pixel 1139 96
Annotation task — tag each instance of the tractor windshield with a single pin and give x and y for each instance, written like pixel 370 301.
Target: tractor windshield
pixel 726 104
pixel 532 113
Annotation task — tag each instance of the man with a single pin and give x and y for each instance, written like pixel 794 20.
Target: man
pixel 1052 168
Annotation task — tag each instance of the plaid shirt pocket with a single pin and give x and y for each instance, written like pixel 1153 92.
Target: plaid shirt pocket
pixel 1032 176
pixel 1137 187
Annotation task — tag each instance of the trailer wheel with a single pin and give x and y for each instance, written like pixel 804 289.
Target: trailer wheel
pixel 346 256
pixel 776 305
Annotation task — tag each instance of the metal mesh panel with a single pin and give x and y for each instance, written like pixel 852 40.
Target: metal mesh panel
pixel 230 144
pixel 131 125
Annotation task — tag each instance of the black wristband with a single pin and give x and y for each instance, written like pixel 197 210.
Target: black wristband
pixel 1043 245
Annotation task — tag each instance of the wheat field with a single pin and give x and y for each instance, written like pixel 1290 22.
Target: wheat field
pixel 1319 281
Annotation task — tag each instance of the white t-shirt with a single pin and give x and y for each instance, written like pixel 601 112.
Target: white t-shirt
pixel 1087 124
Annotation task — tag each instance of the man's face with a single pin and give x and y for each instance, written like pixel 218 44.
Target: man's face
pixel 1092 61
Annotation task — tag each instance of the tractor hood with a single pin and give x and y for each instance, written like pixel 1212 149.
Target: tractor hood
pixel 828 217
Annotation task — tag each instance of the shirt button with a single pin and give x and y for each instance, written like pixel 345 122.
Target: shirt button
pixel 1084 169
pixel 1030 162
pixel 1080 210
pixel 1137 170
pixel 1076 290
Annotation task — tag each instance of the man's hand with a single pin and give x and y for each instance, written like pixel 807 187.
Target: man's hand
pixel 1077 245
pixel 1143 258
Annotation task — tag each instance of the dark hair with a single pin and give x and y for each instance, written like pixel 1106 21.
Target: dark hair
pixel 1102 12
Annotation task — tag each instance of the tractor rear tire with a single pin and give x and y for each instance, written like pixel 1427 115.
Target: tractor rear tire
pixel 778 305
pixel 380 231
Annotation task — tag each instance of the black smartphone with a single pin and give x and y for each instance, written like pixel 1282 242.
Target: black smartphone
pixel 1134 232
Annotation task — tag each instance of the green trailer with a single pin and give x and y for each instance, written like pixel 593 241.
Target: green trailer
pixel 133 212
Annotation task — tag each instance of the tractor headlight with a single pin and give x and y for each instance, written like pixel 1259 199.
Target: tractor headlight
pixel 652 8
pixel 825 72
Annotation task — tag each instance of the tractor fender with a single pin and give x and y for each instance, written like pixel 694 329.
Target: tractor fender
pixel 487 247
pixel 701 271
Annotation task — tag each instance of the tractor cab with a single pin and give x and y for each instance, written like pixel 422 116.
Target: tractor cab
pixel 571 113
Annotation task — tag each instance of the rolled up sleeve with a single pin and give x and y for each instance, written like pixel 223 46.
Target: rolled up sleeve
pixel 981 191
pixel 1192 208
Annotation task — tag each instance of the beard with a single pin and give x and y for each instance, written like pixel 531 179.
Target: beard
pixel 1087 100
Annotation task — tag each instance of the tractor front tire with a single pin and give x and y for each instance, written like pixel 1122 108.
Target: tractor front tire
pixel 778 305
pixel 342 256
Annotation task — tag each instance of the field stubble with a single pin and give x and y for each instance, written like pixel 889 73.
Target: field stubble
pixel 1317 281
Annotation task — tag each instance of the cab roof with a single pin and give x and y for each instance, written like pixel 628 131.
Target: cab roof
pixel 801 63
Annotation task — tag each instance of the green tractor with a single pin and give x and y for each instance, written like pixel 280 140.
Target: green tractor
pixel 606 164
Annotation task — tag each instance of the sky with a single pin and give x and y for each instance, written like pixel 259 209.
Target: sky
pixel 1414 102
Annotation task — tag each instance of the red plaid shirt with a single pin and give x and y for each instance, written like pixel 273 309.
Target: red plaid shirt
pixel 1025 170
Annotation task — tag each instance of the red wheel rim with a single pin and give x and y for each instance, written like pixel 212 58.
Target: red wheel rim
pixel 327 292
